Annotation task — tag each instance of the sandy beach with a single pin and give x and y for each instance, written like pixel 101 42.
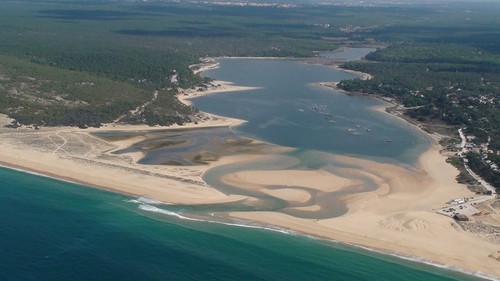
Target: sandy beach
pixel 214 87
pixel 362 75
pixel 397 217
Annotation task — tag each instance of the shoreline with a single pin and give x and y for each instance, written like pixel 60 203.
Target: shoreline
pixel 363 75
pixel 269 227
pixel 92 166
pixel 211 195
pixel 409 229
pixel 392 107
pixel 435 148
pixel 214 87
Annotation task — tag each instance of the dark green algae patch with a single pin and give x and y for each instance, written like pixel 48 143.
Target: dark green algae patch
pixel 185 147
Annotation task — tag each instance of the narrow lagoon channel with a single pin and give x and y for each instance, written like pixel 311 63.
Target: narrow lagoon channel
pixel 67 231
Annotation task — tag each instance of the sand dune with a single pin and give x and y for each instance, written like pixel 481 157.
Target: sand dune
pixel 395 217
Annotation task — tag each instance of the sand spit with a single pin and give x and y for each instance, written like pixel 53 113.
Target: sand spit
pixel 76 155
pixel 362 75
pixel 397 217
pixel 214 87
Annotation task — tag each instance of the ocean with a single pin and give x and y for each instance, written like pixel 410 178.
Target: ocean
pixel 56 230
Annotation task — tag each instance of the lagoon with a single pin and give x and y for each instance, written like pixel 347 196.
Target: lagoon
pixel 54 230
pixel 291 109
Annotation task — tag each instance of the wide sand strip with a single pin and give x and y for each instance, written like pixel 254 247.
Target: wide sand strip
pixel 397 217
pixel 215 87
pixel 74 154
pixel 318 180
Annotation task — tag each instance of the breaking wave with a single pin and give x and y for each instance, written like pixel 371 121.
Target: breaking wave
pixel 149 208
pixel 145 205
pixel 146 200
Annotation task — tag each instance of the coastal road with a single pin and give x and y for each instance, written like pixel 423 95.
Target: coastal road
pixel 474 175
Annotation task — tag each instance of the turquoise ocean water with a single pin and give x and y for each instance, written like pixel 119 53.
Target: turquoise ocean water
pixel 55 230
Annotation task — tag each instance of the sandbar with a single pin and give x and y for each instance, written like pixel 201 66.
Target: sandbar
pixel 397 217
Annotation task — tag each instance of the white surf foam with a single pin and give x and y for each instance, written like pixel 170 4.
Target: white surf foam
pixel 151 208
pixel 146 200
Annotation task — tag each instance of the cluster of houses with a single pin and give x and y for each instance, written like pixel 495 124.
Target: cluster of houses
pixel 483 151
pixel 487 100
pixel 455 96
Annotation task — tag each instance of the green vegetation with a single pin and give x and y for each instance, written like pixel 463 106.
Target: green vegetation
pixel 476 164
pixel 463 177
pixel 85 63
pixel 447 77
pixel 45 95
pixel 460 86
pixel 441 84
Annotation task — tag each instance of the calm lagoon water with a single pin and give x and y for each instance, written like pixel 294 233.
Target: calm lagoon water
pixel 291 110
pixel 55 230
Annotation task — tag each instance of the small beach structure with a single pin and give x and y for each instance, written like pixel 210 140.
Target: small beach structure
pixel 460 217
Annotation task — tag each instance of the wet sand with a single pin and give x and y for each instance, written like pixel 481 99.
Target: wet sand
pixel 395 217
